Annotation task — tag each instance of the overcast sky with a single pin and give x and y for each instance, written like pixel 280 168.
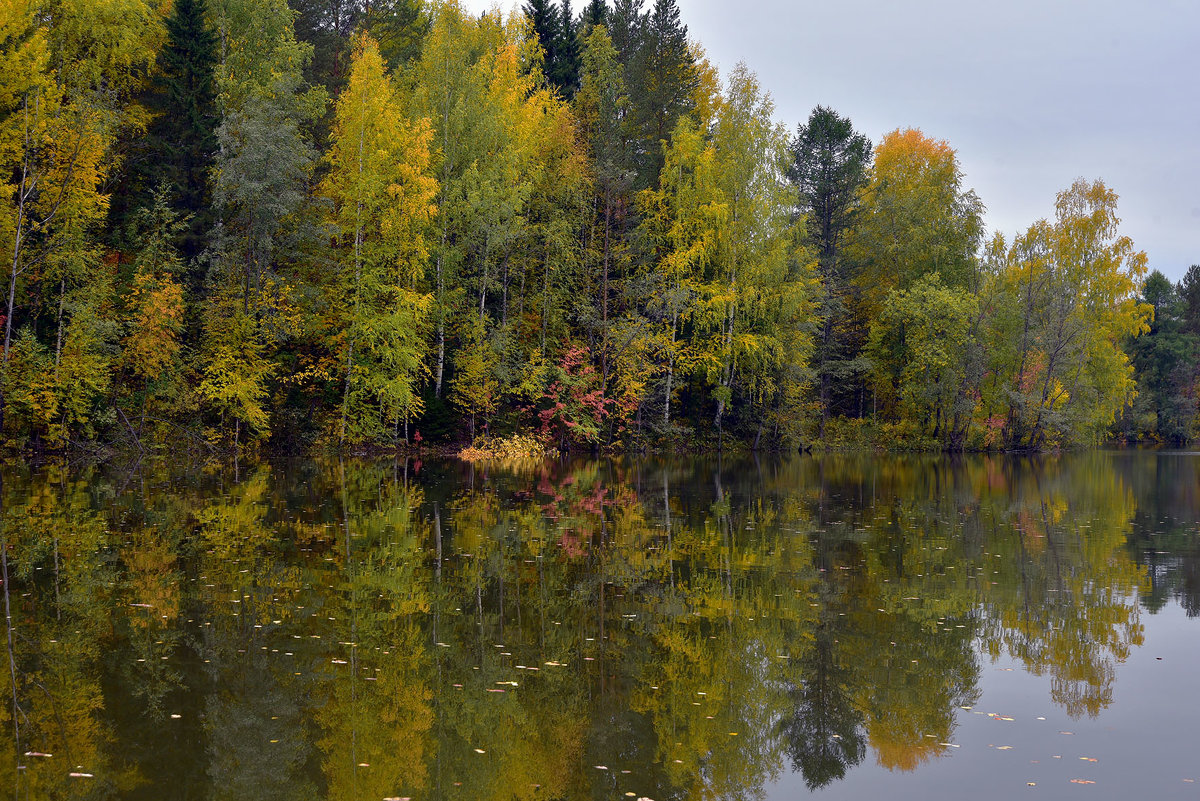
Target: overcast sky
pixel 1031 93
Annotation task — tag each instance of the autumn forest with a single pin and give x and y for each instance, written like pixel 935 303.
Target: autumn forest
pixel 249 224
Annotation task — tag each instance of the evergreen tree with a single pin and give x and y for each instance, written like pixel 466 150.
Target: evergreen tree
pixel 543 16
pixel 400 27
pixel 183 140
pixel 667 76
pixel 627 27
pixel 595 13
pixel 564 72
pixel 1189 293
pixel 327 26
pixel 829 168
pixel 1167 361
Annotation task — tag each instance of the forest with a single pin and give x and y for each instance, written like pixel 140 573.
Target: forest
pixel 350 225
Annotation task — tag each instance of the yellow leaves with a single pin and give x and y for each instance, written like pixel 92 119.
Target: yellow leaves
pixel 474 388
pixel 1070 287
pixel 909 155
pixel 706 96
pixel 29 386
pixel 152 343
pixel 380 181
pixel 509 452
pixel 236 368
pixel 918 217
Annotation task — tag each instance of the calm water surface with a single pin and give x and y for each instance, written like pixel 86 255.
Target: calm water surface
pixel 845 627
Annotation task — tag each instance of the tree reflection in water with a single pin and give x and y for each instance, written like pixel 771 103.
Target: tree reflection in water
pixel 675 629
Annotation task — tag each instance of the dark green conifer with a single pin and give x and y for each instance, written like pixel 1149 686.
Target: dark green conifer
pixel 565 75
pixel 543 16
pixel 626 28
pixel 182 140
pixel 595 13
pixel 828 170
pixel 667 79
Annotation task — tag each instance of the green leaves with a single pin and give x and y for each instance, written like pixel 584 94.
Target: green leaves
pixel 921 346
pixel 382 208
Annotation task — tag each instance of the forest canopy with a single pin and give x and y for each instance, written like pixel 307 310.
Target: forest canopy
pixel 333 223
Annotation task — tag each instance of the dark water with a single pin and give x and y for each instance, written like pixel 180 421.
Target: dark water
pixel 841 626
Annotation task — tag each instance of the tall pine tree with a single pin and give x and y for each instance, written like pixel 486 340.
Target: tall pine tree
pixel 183 140
pixel 829 168
pixel 627 27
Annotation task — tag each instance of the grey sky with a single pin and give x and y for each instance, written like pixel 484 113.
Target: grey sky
pixel 1031 93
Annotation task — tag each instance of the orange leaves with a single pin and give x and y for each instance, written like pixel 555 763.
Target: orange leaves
pixel 913 155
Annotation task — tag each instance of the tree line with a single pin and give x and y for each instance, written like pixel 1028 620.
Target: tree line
pixel 349 224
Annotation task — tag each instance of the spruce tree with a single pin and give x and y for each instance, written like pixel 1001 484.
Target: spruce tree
pixel 666 73
pixel 565 75
pixel 543 16
pixel 182 141
pixel 595 13
pixel 829 167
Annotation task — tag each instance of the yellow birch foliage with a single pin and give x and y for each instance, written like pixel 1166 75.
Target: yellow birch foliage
pixel 383 203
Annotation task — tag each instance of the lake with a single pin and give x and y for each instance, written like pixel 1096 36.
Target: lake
pixel 989 627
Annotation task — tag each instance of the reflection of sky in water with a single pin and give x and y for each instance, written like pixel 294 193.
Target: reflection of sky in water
pixel 354 630
pixel 1144 744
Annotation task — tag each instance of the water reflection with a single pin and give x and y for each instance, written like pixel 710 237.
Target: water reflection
pixel 670 629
